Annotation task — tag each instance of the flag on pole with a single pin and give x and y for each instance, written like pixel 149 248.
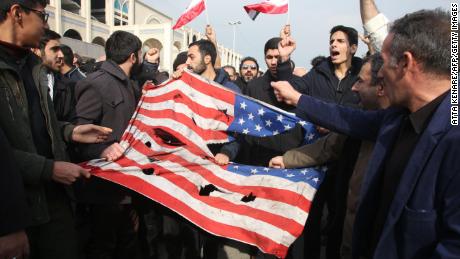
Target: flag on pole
pixel 167 160
pixel 267 6
pixel 193 10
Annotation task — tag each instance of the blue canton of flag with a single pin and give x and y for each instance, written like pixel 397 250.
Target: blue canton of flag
pixel 254 119
pixel 313 176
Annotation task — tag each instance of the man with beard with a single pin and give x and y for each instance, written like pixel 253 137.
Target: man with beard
pixel 249 69
pixel 108 97
pixel 201 59
pixel 61 89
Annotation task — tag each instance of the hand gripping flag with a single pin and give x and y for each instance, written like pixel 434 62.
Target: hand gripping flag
pixel 167 160
pixel 193 10
pixel 267 6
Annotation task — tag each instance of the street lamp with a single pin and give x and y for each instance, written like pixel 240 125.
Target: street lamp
pixel 234 24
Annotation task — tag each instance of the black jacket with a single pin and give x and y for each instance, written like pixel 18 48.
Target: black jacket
pixel 64 101
pixel 241 84
pixel 322 83
pixel 108 98
pixel 259 151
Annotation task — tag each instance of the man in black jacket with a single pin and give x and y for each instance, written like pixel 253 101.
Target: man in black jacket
pixel 260 88
pixel 331 80
pixel 108 97
pixel 249 69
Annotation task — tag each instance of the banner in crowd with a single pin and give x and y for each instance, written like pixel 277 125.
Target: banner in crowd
pixel 167 159
pixel 267 6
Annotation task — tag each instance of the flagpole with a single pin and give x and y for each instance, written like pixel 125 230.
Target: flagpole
pixel 288 13
pixel 206 11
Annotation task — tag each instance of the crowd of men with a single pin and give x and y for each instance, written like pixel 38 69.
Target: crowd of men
pixel 391 189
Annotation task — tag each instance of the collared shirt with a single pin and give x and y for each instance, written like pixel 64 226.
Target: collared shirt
pixel 410 131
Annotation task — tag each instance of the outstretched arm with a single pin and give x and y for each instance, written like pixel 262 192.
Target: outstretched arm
pixel 368 10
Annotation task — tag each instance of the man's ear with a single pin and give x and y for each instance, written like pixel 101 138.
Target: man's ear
pixel 132 58
pixel 207 59
pixel 380 90
pixel 353 48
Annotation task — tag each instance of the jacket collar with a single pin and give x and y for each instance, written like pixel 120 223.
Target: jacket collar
pixel 326 67
pixel 114 69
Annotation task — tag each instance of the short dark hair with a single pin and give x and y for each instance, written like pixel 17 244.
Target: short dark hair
pixel 426 34
pixel 5 5
pixel 351 33
pixel 376 62
pixel 120 45
pixel 271 44
pixel 231 67
pixel 206 47
pixel 47 36
pixel 250 59
pixel 181 58
pixel 68 55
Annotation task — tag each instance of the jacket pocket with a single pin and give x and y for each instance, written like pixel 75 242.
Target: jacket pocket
pixel 418 229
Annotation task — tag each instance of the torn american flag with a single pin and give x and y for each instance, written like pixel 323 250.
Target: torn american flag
pixel 167 160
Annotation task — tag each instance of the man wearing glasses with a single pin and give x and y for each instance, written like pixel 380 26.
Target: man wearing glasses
pixel 31 128
pixel 249 69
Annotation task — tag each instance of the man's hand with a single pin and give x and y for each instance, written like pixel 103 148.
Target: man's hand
pixel 211 35
pixel 67 173
pixel 178 73
pixel 153 55
pixel 285 92
pixel 367 41
pixel 113 152
pixel 276 162
pixel 285 32
pixel 222 159
pixel 322 131
pixel 90 133
pixel 286 47
pixel 15 245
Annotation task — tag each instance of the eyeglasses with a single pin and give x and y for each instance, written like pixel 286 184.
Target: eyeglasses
pixel 253 67
pixel 42 14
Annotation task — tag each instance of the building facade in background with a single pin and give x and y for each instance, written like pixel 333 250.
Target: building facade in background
pixel 87 24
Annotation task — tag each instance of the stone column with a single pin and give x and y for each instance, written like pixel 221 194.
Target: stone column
pixel 131 12
pixel 86 12
pixel 167 46
pixel 58 16
pixel 109 13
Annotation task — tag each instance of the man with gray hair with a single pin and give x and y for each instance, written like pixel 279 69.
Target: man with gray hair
pixel 410 196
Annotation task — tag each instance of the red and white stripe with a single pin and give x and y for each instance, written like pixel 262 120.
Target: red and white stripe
pixel 193 10
pixel 267 6
pixel 271 222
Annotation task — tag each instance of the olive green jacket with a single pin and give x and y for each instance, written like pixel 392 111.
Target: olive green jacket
pixel 36 170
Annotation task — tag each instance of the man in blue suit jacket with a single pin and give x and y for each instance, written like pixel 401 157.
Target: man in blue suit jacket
pixel 410 203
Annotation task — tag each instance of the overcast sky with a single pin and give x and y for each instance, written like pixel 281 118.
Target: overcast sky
pixel 311 21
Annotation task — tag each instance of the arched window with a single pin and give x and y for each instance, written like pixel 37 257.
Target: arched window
pixel 125 7
pixel 117 5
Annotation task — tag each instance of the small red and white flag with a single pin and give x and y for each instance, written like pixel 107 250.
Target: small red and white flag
pixel 193 10
pixel 267 6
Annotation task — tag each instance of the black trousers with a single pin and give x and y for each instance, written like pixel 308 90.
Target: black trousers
pixel 113 232
pixel 56 238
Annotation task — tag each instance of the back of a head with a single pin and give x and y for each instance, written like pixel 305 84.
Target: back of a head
pixel 121 45
pixel 426 34
pixel 68 55
pixel 49 35
pixel 6 4
pixel 271 44
pixel 351 33
pixel 206 47
pixel 181 58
